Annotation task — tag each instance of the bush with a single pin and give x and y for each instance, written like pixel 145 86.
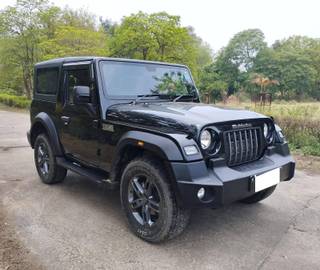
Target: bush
pixel 302 134
pixel 15 101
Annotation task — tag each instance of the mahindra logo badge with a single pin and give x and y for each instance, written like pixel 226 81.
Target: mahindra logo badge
pixel 245 125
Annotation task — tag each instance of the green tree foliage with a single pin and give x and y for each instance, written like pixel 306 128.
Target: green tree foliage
pixel 21 32
pixel 235 61
pixel 159 36
pixel 34 30
pixel 290 63
pixel 293 63
pixel 73 41
pixel 212 84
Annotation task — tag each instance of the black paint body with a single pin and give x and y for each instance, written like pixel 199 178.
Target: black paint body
pixel 105 134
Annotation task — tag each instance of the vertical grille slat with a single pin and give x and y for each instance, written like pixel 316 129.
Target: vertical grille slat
pixel 256 143
pixel 247 144
pixel 242 145
pixel 236 147
pixel 230 148
pixel 251 141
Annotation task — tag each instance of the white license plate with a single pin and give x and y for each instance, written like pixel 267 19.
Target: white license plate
pixel 267 179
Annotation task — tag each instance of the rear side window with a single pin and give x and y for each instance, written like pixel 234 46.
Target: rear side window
pixel 47 81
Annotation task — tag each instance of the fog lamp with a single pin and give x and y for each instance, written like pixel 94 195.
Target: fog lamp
pixel 201 193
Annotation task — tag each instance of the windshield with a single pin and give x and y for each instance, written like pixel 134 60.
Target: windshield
pixel 124 79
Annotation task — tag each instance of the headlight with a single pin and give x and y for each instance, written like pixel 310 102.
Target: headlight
pixel 265 130
pixel 268 132
pixel 280 138
pixel 205 139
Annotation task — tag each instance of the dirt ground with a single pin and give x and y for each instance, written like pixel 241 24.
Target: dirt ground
pixel 78 225
pixel 13 254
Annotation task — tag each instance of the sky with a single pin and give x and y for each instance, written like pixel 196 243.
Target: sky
pixel 216 21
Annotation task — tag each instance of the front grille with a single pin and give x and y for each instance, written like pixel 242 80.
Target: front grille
pixel 243 145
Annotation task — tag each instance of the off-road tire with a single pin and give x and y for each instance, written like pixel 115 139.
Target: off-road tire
pixel 172 219
pixel 55 173
pixel 259 196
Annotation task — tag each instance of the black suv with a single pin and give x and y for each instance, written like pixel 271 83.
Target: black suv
pixel 140 125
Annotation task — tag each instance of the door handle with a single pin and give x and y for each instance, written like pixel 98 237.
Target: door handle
pixel 65 120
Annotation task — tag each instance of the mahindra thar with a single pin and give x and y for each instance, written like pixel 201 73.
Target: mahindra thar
pixel 140 126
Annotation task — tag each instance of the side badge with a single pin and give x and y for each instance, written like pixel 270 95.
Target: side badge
pixel 108 127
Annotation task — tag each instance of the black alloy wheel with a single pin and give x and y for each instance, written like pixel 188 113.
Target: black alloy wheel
pixel 43 159
pixel 144 200
pixel 48 169
pixel 149 202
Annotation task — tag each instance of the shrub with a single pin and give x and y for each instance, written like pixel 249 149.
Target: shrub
pixel 14 101
pixel 302 134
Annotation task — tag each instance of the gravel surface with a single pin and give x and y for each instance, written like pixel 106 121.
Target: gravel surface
pixel 79 225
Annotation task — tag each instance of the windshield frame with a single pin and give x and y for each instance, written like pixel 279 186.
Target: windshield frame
pixel 133 97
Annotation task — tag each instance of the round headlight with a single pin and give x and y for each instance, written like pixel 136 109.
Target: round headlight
pixel 205 139
pixel 265 130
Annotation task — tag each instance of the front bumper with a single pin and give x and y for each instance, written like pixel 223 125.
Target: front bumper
pixel 223 184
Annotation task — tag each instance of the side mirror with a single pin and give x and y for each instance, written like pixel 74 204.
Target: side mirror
pixel 81 95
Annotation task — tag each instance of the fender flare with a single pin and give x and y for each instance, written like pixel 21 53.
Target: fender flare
pixel 46 121
pixel 164 147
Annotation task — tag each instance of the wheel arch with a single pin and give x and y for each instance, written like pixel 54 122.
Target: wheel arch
pixel 137 143
pixel 44 124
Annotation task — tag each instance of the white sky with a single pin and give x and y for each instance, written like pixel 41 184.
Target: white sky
pixel 216 21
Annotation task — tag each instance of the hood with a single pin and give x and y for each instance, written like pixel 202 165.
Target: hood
pixel 173 117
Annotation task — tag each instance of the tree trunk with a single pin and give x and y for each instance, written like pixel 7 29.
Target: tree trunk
pixel 144 53
pixel 27 82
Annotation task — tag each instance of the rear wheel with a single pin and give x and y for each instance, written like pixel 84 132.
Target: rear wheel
pixel 45 161
pixel 259 196
pixel 149 202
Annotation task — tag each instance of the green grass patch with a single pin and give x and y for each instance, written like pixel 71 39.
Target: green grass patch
pixel 15 101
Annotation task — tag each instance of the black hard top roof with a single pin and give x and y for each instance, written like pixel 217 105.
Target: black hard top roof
pixel 61 61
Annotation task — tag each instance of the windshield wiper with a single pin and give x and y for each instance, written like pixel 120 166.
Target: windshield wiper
pixel 140 97
pixel 183 95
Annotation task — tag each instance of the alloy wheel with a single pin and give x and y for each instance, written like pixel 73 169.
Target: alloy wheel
pixel 144 200
pixel 43 159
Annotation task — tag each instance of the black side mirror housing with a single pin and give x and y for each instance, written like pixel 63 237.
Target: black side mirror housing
pixel 81 95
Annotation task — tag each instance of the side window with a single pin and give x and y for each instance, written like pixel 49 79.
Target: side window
pixel 47 81
pixel 76 77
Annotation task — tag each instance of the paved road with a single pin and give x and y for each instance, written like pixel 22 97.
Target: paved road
pixel 77 225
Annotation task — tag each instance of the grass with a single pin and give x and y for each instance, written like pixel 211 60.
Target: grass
pixel 300 123
pixel 14 101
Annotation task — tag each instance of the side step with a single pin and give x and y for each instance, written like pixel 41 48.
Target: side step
pixel 95 175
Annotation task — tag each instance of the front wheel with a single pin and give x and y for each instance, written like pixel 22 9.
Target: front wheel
pixel 149 202
pixel 48 169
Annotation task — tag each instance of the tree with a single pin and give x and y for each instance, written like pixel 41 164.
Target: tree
pixel 74 41
pixel 244 47
pixel 289 63
pixel 108 26
pixel 160 37
pixel 21 27
pixel 211 84
pixel 133 38
pixel 78 18
pixel 235 61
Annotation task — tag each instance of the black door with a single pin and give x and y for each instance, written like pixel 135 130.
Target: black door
pixel 80 133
